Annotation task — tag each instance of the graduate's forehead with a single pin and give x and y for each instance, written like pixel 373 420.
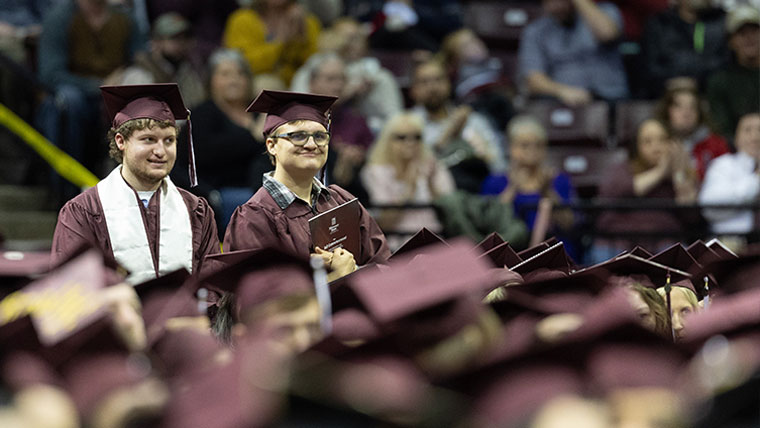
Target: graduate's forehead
pixel 299 125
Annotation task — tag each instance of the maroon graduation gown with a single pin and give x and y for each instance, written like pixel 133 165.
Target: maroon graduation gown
pixel 81 220
pixel 261 223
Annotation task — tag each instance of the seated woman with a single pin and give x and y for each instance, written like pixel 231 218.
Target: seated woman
pixel 529 179
pixel 685 115
pixel 224 137
pixel 400 170
pixel 297 141
pixel 659 169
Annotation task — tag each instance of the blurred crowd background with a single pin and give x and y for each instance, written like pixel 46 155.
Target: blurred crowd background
pixel 597 122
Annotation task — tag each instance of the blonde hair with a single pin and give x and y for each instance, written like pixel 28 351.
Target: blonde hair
pixel 690 296
pixel 525 123
pixel 381 154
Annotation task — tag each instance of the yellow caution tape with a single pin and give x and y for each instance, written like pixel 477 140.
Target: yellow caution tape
pixel 66 166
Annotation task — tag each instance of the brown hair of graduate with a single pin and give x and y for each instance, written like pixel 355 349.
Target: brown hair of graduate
pixel 661 111
pixel 128 128
pixel 657 307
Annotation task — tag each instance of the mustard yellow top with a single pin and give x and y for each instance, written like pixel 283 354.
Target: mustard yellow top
pixel 246 31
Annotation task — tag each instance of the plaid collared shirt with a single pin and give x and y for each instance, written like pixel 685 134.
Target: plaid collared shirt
pixel 284 196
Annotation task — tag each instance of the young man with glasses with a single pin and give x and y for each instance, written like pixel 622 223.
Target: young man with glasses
pixel 277 215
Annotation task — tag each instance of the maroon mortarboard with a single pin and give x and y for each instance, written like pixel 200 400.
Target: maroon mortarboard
pixel 551 262
pixel 720 249
pixel 492 240
pixel 541 246
pixel 702 253
pixel 353 324
pixel 258 276
pixel 21 369
pixel 503 255
pixel 165 297
pixel 282 107
pixel 91 378
pixel 423 238
pixel 158 101
pixel 631 265
pixel 562 293
pixel 641 252
pixel 446 272
pixel 186 351
pixel 734 274
pixel 677 257
pixel 18 268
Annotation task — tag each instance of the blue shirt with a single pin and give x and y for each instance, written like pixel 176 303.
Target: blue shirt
pixel 573 56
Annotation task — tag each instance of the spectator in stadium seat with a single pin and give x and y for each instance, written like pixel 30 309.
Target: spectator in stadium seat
pixel 227 139
pixel 275 36
pixel 370 88
pixel 169 59
pixel 659 169
pixel 685 114
pixel 463 139
pixel 684 43
pixel 84 44
pixel 735 89
pixel 401 170
pixel 733 178
pixel 478 78
pixel 571 53
pixel 529 178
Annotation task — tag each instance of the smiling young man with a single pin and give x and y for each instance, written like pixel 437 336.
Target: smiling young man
pixel 137 215
pixel 277 215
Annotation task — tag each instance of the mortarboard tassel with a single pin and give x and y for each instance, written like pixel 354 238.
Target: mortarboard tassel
pixel 707 292
pixel 670 311
pixel 191 153
pixel 323 294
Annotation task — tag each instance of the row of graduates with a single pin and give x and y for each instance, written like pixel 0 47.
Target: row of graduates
pixel 142 223
pixel 441 334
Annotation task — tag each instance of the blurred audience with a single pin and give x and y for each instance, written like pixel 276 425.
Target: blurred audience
pixel 734 179
pixel 660 168
pixel 529 179
pixel 275 36
pixel 734 90
pixel 370 88
pixel 350 136
pixel 478 78
pixel 462 139
pixel 169 59
pixel 570 53
pixel 405 24
pixel 227 139
pixel 635 15
pixel 685 43
pixel 84 44
pixel 402 170
pixel 206 18
pixel 686 116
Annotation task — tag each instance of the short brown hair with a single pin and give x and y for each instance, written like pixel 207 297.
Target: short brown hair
pixel 128 128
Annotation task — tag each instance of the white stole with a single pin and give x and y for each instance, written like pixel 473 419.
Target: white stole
pixel 129 238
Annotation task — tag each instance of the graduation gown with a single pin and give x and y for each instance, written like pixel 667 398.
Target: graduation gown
pixel 81 220
pixel 261 223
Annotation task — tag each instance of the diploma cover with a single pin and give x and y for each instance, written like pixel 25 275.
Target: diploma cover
pixel 337 228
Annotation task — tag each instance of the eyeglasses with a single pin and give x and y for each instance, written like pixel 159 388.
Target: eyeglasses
pixel 300 138
pixel 412 138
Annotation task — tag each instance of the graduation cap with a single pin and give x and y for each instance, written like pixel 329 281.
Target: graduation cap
pixel 445 273
pixel 552 261
pixel 678 257
pixel 282 107
pixel 735 274
pixel 18 268
pixel 503 255
pixel 423 238
pixel 733 316
pixel 61 303
pixel 702 253
pixel 258 276
pixel 641 252
pixel 635 266
pixel 720 249
pixel 492 240
pixel 158 101
pixel 165 297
